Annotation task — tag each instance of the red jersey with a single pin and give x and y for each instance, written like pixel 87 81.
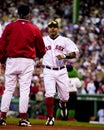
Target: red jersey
pixel 22 39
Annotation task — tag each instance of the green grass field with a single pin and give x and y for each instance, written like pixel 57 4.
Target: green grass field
pixel 57 122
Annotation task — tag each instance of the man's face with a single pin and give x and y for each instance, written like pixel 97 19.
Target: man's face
pixel 53 31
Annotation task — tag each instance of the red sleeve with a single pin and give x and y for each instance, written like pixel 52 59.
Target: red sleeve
pixel 3 43
pixel 40 46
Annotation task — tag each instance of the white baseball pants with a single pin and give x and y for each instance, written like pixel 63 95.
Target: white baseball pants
pixel 17 70
pixel 59 79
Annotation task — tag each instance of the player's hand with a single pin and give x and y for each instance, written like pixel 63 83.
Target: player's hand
pixel 61 56
pixel 39 63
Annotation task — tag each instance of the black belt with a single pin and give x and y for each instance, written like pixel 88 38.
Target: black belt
pixel 51 68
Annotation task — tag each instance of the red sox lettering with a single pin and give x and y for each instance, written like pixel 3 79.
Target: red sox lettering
pixel 60 48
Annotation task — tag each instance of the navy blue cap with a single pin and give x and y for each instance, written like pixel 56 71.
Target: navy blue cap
pixel 53 24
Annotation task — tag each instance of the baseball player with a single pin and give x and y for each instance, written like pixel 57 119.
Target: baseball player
pixel 58 48
pixel 22 42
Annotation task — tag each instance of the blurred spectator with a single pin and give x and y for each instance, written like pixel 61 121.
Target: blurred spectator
pixel 100 89
pixel 91 87
pixel 82 90
pixel 37 84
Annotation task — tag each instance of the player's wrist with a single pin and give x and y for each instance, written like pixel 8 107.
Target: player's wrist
pixel 67 56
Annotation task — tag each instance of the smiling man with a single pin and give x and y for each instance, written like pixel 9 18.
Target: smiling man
pixel 58 48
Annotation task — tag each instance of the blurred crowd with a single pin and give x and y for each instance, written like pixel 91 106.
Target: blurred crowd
pixel 87 33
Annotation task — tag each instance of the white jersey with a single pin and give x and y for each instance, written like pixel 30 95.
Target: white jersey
pixel 60 45
pixel 74 84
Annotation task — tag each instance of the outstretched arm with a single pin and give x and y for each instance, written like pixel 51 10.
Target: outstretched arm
pixel 68 56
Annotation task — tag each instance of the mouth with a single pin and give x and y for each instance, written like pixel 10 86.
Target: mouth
pixel 52 31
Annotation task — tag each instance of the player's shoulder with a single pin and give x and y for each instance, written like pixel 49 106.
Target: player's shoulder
pixel 8 26
pixel 34 26
pixel 46 37
pixel 64 38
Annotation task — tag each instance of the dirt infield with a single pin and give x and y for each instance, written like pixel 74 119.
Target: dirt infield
pixel 42 127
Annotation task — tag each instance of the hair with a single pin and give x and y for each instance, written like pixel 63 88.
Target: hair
pixel 23 10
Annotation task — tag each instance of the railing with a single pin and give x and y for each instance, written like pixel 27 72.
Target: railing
pixel 80 97
pixel 16 101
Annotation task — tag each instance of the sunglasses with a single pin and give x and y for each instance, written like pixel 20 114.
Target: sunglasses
pixel 53 24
